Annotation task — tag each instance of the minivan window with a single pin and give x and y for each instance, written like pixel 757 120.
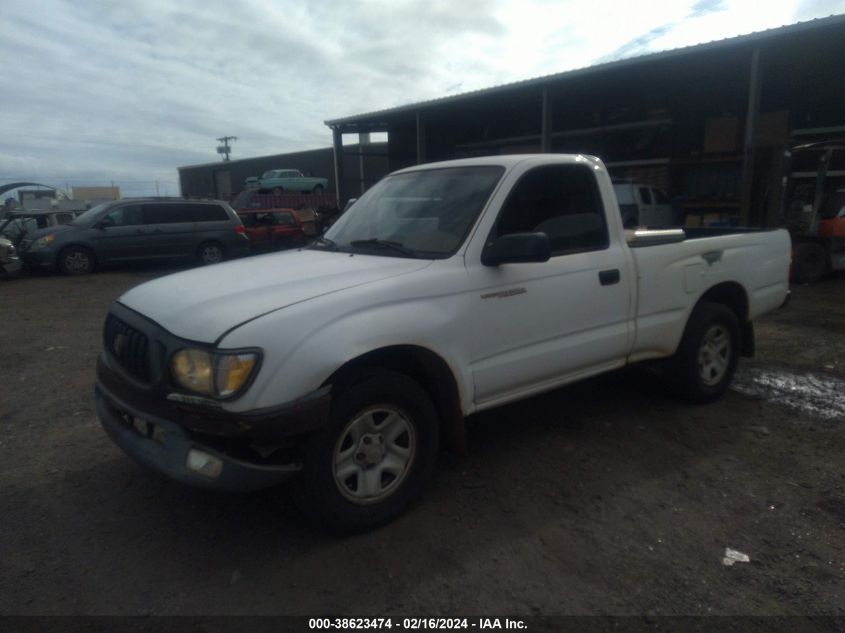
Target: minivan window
pixel 645 194
pixel 130 215
pixel 91 215
pixel 165 214
pixel 207 212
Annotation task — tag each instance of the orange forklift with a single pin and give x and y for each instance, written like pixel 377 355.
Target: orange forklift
pixel 814 208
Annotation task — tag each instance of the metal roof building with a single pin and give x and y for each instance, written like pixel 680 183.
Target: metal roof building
pixel 708 123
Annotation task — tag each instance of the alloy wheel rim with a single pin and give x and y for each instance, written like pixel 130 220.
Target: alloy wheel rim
pixel 374 454
pixel 714 355
pixel 77 262
pixel 211 255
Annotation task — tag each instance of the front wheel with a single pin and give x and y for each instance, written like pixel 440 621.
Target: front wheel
pixel 704 364
pixel 76 261
pixel 373 457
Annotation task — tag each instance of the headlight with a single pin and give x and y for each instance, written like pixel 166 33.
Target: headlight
pixel 215 374
pixel 41 242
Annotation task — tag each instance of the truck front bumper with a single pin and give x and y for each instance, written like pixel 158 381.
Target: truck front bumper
pixel 209 449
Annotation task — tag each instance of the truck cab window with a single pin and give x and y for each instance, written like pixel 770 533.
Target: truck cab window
pixel 561 201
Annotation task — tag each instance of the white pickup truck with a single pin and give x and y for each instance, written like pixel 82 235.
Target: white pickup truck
pixel 447 289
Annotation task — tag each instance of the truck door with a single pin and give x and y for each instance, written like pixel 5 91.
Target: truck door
pixel 539 324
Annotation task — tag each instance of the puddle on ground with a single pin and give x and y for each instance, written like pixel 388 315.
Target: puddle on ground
pixel 818 395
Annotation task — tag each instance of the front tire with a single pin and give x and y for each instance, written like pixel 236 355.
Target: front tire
pixel 76 260
pixel 373 457
pixel 704 364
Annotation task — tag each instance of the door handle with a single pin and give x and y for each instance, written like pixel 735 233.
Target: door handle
pixel 609 277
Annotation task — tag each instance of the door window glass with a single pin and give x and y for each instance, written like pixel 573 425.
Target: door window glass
pixel 645 195
pixel 660 197
pixel 130 215
pixel 284 219
pixel 205 212
pixel 561 201
pixel 162 214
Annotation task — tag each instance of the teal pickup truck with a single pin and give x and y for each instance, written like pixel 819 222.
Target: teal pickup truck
pixel 286 180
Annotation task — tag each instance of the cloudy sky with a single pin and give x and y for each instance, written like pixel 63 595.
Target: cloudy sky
pixel 127 91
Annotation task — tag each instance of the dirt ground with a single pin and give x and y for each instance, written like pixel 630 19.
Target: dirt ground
pixel 607 497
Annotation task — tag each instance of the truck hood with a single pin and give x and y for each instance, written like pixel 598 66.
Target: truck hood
pixel 204 303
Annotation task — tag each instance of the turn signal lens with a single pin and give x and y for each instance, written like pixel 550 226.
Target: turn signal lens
pixel 232 372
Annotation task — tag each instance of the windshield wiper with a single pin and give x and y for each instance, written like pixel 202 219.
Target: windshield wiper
pixel 324 241
pixel 379 243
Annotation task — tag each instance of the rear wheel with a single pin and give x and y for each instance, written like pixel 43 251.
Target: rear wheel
pixel 210 253
pixel 809 262
pixel 76 260
pixel 704 364
pixel 372 458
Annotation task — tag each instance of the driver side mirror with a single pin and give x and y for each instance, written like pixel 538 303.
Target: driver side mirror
pixel 105 223
pixel 517 248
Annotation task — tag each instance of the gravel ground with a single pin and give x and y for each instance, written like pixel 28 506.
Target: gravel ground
pixel 607 497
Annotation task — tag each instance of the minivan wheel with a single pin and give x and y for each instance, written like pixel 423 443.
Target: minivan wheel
pixel 277 191
pixel 210 253
pixel 76 260
pixel 319 189
pixel 373 457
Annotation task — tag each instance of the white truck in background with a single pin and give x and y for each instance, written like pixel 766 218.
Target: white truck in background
pixel 643 205
pixel 447 289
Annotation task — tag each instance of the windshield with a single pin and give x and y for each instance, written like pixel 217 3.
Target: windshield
pixel 424 214
pixel 90 216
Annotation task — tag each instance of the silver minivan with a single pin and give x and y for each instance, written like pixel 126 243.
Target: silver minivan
pixel 139 229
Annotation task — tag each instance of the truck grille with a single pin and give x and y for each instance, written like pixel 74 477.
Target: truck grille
pixel 129 346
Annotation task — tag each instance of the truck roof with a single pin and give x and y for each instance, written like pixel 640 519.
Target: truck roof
pixel 508 160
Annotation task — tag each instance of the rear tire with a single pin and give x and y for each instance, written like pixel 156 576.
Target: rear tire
pixel 210 253
pixel 373 457
pixel 704 364
pixel 809 262
pixel 76 260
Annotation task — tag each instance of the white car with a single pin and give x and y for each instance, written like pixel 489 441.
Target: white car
pixel 447 289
